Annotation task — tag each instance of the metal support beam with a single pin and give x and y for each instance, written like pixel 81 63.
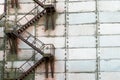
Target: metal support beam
pixel 52 66
pixel 46 67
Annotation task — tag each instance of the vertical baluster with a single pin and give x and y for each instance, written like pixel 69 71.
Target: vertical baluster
pixel 22 69
pixel 28 37
pixel 26 18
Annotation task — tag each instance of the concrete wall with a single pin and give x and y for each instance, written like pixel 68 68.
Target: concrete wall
pixel 86 38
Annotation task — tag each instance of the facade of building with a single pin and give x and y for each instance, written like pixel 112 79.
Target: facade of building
pixel 86 37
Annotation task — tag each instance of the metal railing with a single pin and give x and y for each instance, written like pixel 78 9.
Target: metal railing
pixel 37 56
pixel 25 18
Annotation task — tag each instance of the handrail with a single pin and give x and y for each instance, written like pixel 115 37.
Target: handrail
pixel 32 18
pixel 32 36
pixel 28 59
pixel 39 3
pixel 2 15
pixel 51 51
pixel 27 13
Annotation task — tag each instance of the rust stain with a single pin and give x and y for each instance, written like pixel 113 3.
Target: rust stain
pixel 14 3
pixel 51 69
pixel 18 41
pixel 13 45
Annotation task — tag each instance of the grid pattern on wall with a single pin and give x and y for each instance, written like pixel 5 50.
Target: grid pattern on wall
pixel 93 36
pixel 86 38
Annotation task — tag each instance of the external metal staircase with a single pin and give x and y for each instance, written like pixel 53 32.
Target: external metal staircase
pixel 44 52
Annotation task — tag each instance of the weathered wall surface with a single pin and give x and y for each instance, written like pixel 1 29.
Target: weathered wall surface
pixel 86 38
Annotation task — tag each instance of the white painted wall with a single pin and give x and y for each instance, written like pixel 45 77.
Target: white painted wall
pixel 87 41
